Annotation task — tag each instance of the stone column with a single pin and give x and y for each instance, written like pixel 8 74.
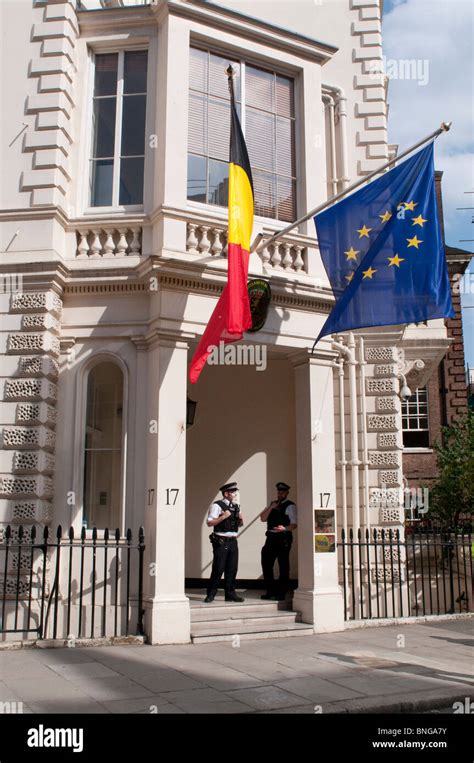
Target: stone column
pixel 318 597
pixel 167 613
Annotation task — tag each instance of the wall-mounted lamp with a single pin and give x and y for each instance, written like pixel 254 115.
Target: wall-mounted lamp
pixel 190 412
pixel 405 391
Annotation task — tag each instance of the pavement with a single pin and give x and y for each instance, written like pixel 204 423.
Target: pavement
pixel 397 669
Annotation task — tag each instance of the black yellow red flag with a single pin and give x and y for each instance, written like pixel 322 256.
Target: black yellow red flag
pixel 231 316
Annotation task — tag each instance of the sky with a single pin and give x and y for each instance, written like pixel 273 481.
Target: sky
pixel 438 35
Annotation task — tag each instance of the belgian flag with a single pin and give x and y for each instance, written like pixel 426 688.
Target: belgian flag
pixel 231 316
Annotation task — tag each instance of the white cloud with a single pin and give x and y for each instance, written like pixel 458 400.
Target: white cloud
pixel 439 33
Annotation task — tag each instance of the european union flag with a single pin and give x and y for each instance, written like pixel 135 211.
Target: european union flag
pixel 383 251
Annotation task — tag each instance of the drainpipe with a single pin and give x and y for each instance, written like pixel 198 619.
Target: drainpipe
pixel 443 390
pixel 342 113
pixel 343 461
pixel 365 459
pixel 329 100
pixel 348 352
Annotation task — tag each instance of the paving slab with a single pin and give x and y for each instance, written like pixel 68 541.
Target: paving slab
pixel 117 687
pixel 319 690
pixel 154 705
pixel 204 673
pixel 208 701
pixel 68 706
pixel 165 680
pixel 32 690
pixel 82 670
pixel 266 697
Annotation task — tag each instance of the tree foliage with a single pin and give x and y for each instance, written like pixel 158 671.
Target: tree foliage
pixel 453 491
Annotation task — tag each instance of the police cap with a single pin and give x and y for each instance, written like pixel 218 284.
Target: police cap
pixel 230 486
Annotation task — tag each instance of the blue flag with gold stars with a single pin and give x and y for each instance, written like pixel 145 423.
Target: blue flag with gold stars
pixel 383 251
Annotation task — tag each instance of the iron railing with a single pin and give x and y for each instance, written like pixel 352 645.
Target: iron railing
pixel 425 571
pixel 84 583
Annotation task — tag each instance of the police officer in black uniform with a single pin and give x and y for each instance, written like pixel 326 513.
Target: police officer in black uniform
pixel 281 519
pixel 224 516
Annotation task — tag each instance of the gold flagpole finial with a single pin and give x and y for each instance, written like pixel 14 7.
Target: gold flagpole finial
pixel 230 71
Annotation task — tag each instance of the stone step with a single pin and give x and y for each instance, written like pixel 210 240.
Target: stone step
pixel 271 618
pixel 221 610
pixel 249 631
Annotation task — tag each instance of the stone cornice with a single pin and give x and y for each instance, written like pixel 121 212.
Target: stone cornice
pixel 172 275
pixel 51 212
pixel 228 20
pixel 116 19
pixel 214 17
pixel 320 356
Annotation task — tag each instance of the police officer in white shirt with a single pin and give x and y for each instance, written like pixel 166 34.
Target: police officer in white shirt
pixel 225 519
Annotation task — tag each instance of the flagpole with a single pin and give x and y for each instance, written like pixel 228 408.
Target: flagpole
pixel 260 242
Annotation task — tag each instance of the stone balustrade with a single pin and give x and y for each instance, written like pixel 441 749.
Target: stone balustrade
pixel 204 239
pixel 284 255
pixel 110 241
pixel 287 255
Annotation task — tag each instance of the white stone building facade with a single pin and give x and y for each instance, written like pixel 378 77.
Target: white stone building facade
pixel 111 266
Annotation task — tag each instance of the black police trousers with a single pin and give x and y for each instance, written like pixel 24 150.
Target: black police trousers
pixel 277 547
pixel 226 560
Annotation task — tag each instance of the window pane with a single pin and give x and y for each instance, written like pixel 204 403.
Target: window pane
pixel 106 74
pixel 197 123
pixel 416 440
pixel 102 179
pixel 265 193
pixel 104 127
pixel 196 178
pixel 198 70
pixel 284 97
pixel 131 181
pixel 219 129
pixel 285 199
pixel 135 65
pixel 133 125
pixel 103 455
pixel 260 88
pixel 260 139
pixel 284 147
pixel 218 182
pixel 104 426
pixel 102 489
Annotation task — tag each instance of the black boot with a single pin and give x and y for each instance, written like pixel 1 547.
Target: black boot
pixel 233 597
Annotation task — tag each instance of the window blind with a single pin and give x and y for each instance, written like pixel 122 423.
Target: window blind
pixel 269 132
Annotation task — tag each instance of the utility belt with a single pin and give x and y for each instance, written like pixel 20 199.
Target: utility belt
pixel 219 540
